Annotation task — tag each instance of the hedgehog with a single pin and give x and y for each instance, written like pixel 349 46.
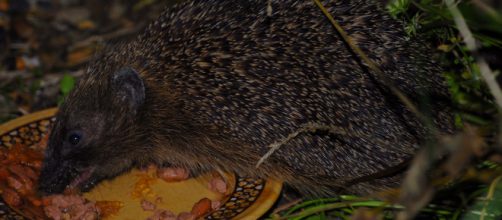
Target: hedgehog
pixel 217 84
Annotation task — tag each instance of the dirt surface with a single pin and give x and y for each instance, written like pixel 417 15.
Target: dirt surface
pixel 45 45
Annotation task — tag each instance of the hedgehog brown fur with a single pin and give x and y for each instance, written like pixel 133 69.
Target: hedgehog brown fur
pixel 212 84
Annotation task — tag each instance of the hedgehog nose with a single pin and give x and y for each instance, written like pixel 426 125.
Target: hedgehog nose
pixel 46 185
pixel 50 180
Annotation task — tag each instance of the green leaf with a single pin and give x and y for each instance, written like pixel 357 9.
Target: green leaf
pixel 66 84
pixel 397 7
pixel 311 203
pixel 316 217
pixel 488 207
pixel 142 4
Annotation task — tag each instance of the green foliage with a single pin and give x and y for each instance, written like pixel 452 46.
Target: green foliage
pixel 398 7
pixel 345 206
pixel 65 86
pixel 67 83
pixel 432 21
pixel 341 207
pixel 488 206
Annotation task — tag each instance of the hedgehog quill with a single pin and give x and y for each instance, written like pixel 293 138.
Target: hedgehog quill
pixel 213 84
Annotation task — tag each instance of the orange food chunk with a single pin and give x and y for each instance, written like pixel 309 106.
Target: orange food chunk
pixel 109 208
pixel 201 208
pixel 11 197
pixel 142 186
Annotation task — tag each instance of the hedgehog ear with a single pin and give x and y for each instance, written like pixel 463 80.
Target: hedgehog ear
pixel 128 88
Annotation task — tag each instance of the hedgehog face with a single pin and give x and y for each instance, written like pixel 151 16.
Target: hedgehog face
pixel 94 137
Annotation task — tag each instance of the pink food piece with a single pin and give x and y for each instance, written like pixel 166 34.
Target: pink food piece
pixel 20 181
pixel 172 174
pixel 14 183
pixel 53 212
pixel 71 207
pixel 65 201
pixel 217 184
pixel 80 211
pixel 23 172
pixel 186 216
pixel 215 205
pixel 162 215
pixel 147 205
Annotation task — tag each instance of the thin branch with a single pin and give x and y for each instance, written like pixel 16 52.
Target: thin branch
pixel 269 8
pixel 372 65
pixel 309 127
pixel 286 206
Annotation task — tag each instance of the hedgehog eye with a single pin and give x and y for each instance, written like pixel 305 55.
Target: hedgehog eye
pixel 74 138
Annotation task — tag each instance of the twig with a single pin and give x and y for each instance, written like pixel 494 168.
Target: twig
pixel 286 206
pixel 313 127
pixel 22 110
pixel 269 8
pixel 309 127
pixel 372 65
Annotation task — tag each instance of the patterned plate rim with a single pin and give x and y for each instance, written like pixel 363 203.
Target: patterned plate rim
pixel 268 192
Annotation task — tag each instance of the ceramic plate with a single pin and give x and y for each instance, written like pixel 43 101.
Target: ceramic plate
pixel 247 198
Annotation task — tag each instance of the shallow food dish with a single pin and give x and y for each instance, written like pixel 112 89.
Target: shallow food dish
pixel 246 198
